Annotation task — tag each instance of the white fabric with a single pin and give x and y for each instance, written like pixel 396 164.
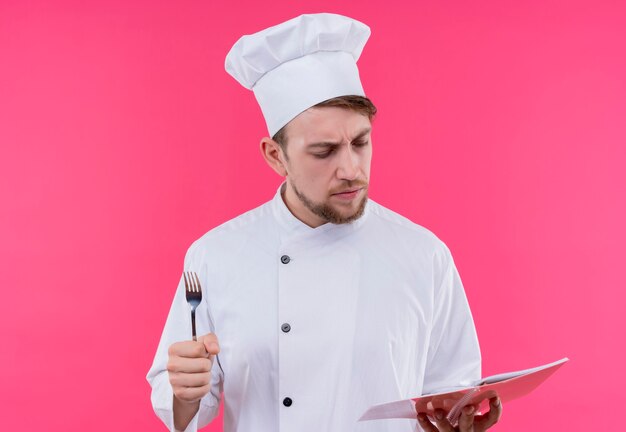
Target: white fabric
pixel 376 308
pixel 296 64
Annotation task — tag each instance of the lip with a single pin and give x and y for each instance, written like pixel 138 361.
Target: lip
pixel 347 194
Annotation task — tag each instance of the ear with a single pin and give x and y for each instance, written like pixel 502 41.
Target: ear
pixel 273 155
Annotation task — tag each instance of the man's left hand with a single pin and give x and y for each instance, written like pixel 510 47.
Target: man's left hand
pixel 468 422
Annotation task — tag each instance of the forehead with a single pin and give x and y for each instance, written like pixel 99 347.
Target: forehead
pixel 326 124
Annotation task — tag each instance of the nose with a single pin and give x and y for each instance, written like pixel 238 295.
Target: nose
pixel 348 168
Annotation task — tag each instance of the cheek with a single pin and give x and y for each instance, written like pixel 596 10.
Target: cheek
pixel 315 173
pixel 314 181
pixel 317 180
pixel 366 164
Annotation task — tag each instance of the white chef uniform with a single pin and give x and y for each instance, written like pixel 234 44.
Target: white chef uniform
pixel 317 324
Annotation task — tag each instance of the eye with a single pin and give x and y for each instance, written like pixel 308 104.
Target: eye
pixel 324 154
pixel 360 143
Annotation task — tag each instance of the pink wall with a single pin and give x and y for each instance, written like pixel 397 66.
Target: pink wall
pixel 122 140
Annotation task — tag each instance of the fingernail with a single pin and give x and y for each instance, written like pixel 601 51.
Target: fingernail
pixel 421 417
pixel 496 403
pixel 469 410
pixel 439 414
pixel 213 346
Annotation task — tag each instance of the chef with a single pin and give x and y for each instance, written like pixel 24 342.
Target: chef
pixel 321 302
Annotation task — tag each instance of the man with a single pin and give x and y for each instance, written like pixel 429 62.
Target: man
pixel 320 303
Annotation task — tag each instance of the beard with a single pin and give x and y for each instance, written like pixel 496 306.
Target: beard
pixel 327 212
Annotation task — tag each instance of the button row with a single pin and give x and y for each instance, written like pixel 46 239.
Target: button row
pixel 285 259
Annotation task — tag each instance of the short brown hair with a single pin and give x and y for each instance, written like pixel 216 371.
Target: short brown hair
pixel 360 104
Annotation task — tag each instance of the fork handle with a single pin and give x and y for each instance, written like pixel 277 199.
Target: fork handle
pixel 193 324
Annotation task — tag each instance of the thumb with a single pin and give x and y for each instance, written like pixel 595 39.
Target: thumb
pixel 210 343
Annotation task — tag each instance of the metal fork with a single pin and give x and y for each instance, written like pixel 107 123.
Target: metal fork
pixel 193 294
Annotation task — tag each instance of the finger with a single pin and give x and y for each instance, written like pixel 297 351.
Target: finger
pixel 485 421
pixel 426 425
pixel 189 349
pixel 211 344
pixel 191 394
pixel 189 365
pixel 466 420
pixel 190 379
pixel 442 422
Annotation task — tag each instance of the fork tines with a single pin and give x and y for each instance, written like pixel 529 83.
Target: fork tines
pixel 192 283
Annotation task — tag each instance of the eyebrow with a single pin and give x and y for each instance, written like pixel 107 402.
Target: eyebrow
pixel 335 144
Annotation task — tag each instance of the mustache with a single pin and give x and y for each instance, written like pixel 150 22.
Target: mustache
pixel 350 185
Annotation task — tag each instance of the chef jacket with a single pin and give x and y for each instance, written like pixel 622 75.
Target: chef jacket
pixel 315 325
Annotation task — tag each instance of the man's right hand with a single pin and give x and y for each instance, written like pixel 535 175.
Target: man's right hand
pixel 189 370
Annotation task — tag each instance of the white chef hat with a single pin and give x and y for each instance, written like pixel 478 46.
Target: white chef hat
pixel 297 64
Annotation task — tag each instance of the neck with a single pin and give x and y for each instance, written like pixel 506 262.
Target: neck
pixel 298 209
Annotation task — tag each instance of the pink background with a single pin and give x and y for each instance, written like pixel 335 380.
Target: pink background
pixel 501 129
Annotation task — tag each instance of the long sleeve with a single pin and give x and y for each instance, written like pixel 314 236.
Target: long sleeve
pixel 178 328
pixel 453 354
